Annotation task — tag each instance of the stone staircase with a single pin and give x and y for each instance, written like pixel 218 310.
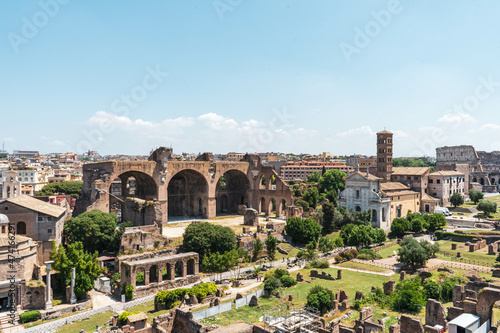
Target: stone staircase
pixel 5 326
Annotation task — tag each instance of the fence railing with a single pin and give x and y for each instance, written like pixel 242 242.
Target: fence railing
pixel 463 260
pixel 374 263
pixel 385 246
pixel 458 265
pixel 225 307
pixel 54 325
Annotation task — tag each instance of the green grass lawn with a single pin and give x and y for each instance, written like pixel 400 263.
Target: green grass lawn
pixel 88 325
pixel 387 252
pixel 480 257
pixel 351 282
pixel 361 267
pixel 293 251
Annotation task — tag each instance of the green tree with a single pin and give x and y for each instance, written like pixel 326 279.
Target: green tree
pixel 323 170
pixel 379 235
pixel 476 196
pixel 362 218
pixel 457 199
pixel 328 217
pixel 414 253
pixel 313 177
pixel 320 298
pixel 311 196
pixel 361 236
pixel 435 221
pixel 205 238
pixel 310 253
pixel 409 295
pixel 303 230
pixel 302 203
pixel 399 226
pixel 332 180
pixel 326 244
pixel 97 231
pixel 271 244
pixel 257 249
pixel 73 188
pixel 346 231
pixel 417 224
pixel 488 207
pixel 86 266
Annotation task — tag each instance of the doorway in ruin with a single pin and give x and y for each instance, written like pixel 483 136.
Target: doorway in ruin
pixel 231 191
pixel 130 184
pixel 188 195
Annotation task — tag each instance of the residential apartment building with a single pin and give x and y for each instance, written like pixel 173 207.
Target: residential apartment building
pixel 443 184
pixel 301 170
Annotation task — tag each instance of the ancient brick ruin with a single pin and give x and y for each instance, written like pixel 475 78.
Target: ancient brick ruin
pixel 160 272
pixel 162 188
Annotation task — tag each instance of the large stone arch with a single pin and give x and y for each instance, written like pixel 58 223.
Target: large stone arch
pixel 232 189
pixel 485 302
pixel 188 194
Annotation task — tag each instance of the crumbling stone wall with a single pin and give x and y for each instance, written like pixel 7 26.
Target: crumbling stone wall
pixel 33 295
pixel 435 314
pixel 145 238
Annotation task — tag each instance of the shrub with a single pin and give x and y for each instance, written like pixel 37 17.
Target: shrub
pixel 272 284
pixel 303 230
pixel 29 316
pixel 439 234
pixel 129 292
pixel 170 298
pixel 320 298
pixel 122 318
pixel 287 281
pixel 338 259
pixel 320 264
pixel 278 273
pixel 367 254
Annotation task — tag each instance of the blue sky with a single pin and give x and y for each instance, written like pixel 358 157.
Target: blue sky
pixel 249 75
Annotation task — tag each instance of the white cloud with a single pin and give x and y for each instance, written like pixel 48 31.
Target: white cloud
pixel 363 130
pixel 217 122
pixel 489 127
pixel 456 119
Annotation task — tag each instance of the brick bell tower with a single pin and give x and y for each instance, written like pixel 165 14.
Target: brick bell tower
pixel 384 155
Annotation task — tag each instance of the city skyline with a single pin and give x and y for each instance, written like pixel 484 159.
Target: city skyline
pixel 249 77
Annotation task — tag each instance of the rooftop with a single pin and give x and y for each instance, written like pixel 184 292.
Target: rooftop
pixel 137 317
pixel 393 186
pixel 40 206
pixel 447 174
pixel 410 171
pixel 464 320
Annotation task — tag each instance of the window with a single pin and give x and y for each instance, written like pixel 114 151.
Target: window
pixel 49 231
pixel 21 228
pixel 357 194
pixel 3 229
pixel 40 218
pixel 431 181
pixel 438 181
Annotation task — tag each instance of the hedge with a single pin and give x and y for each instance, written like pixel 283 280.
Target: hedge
pixel 169 297
pixel 29 316
pixel 454 234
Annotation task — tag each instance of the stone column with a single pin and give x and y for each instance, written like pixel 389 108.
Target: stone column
pixel 184 269
pixel 172 271
pixel 48 303
pixel 73 277
pixel 196 268
pixel 146 276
